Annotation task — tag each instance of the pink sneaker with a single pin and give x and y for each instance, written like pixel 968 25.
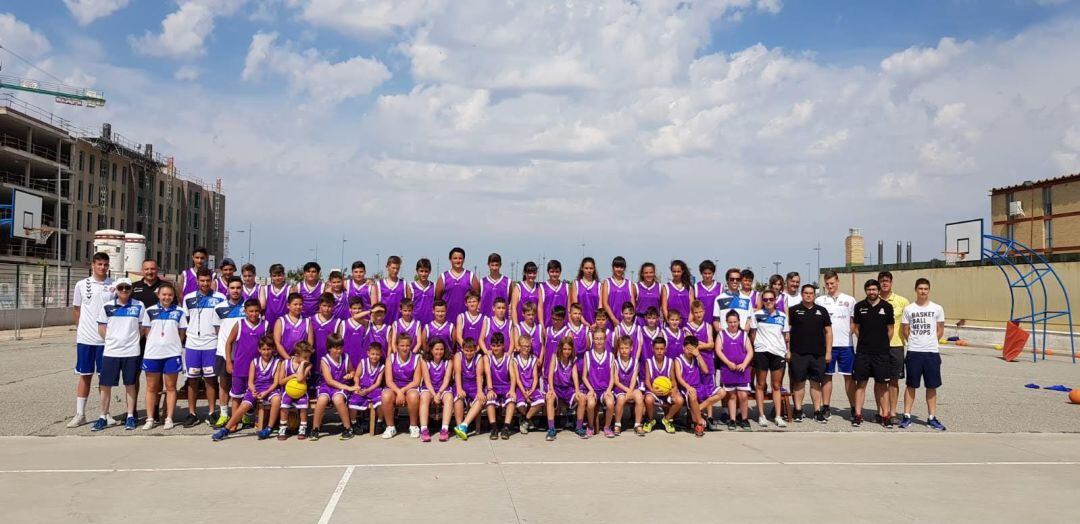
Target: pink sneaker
pixel 589 432
pixel 609 433
pixel 425 435
pixel 443 435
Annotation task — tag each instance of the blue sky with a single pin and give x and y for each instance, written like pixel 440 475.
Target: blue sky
pixel 744 131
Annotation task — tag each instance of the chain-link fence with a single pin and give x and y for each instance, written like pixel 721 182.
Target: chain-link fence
pixel 34 295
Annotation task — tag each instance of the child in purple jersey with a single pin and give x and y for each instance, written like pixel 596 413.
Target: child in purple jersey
pixel 627 386
pixel 262 390
pixel 292 328
pixel 391 290
pixel 649 332
pixel 599 325
pixel 369 380
pixel 627 328
pixel 700 394
pixel 470 324
pixel 494 286
pixel 707 289
pixel 524 292
pixel 436 388
pixel 776 284
pixel 335 285
pixel 402 378
pixel 274 296
pixel 189 280
pixel 586 289
pixel 564 388
pixel 599 373
pixel 497 323
pixel 616 291
pixel 378 330
pixel 323 324
pixel 704 334
pixel 679 293
pixel 553 292
pixel 454 284
pixel 735 354
pixel 337 385
pixel 296 367
pixel 226 271
pixel 660 366
pixel 554 334
pixel 529 327
pixel 577 330
pixel 469 383
pixel 500 387
pixel 646 291
pixel 673 334
pixel 422 293
pixel 406 324
pixel 439 328
pixel 310 288
pixel 359 286
pixel 251 288
pixel 242 347
pixel 354 331
pixel 525 368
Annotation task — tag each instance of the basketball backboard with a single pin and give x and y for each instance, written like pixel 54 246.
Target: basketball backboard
pixel 26 215
pixel 964 240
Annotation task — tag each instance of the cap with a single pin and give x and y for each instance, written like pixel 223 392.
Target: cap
pixel 122 281
pixel 227 262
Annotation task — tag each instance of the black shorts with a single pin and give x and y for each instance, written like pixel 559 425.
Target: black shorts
pixel 219 368
pixel 923 366
pixel 897 354
pixel 768 362
pixel 807 367
pixel 877 366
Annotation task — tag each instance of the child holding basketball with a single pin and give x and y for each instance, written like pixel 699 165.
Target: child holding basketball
pixel 525 368
pixel 297 368
pixel 436 390
pixel 662 392
pixel 402 387
pixel 735 354
pixel 262 391
pixel 564 388
pixel 336 386
pixel 469 381
pixel 599 381
pixel 626 388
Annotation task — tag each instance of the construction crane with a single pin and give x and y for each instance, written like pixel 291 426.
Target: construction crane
pixel 64 94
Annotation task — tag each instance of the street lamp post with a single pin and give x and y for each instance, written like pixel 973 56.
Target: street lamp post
pixel 777 264
pixel 247 232
pixel 818 267
pixel 343 252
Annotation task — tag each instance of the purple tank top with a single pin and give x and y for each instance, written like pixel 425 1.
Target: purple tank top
pixel 734 349
pixel 409 328
pixel 647 338
pixel 599 369
pixel 581 339
pixel 551 341
pixel 654 370
pixel 191 281
pixel 338 369
pixel 246 347
pixel 471 327
pixel 707 296
pixel 534 333
pixel 494 327
pixel 500 374
pixel 341 306
pixel 553 296
pixel 363 291
pixel 564 380
pixel 437 372
pixel 311 298
pixel 445 333
pixel 247 294
pixel 468 374
pixel 618 294
pixel 454 291
pixel 276 303
pixel 380 334
pixel 489 291
pixel 526 295
pixel 291 368
pixel 691 374
pixel 353 334
pixel 222 286
pixel 678 300
pixel 647 296
pixel 633 331
pixel 702 333
pixel 403 371
pixel 391 297
pixel 369 374
pixel 264 373
pixel 674 343
pixel 626 370
pixel 526 372
pixel 589 298
pixel 322 329
pixel 292 332
pixel 423 299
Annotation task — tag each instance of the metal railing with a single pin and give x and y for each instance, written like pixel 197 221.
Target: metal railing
pixel 31 286
pixel 48 153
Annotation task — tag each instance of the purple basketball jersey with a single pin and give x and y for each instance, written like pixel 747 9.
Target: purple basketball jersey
pixel 551 342
pixel 380 334
pixel 341 306
pixel 500 374
pixel 322 329
pixel 437 371
pixel 678 299
pixel 534 332
pixel 292 332
pixel 707 296
pixel 443 332
pixel 633 331
pixel 402 370
pixel 407 328
pixel 363 290
pixel 354 335
pixel 454 291
pixel 674 342
pixel 338 369
pixel 250 293
pixel 647 296
pixel 311 298
pixel 691 374
pixel 563 381
pixel 490 290
pixel 653 370
pixel 276 303
pixel 554 296
pixel 527 371
pixel 391 295
pixel 734 348
pixel 471 327
pixel 581 339
pixel 626 371
pixel 525 295
pixel 221 285
pixel 469 369
pixel 493 326
pixel 264 373
pixel 369 374
pixel 703 332
pixel 246 347
pixel 191 282
pixel 423 299
pixel 598 369
pixel 588 295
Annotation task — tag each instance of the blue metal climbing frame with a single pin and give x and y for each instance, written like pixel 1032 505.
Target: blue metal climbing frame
pixel 1027 270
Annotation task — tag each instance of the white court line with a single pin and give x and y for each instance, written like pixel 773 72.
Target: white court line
pixel 552 463
pixel 328 511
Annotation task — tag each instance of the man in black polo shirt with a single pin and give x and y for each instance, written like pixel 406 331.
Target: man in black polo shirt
pixel 145 290
pixel 811 350
pixel 873 322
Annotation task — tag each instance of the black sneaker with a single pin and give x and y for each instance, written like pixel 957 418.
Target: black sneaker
pixel 347 434
pixel 302 433
pixel 887 423
pixel 819 416
pixel 856 420
pixel 191 421
pixel 380 427
pixel 211 419
pixel 505 433
pixel 744 425
pixel 853 415
pixel 878 419
pixel 494 434
pixel 725 417
pixel 314 434
pixel 731 425
pixel 798 416
pixel 826 412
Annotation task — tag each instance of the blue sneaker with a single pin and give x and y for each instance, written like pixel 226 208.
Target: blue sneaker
pixel 264 433
pixel 100 424
pixel 462 431
pixel 550 435
pixel 905 421
pixel 581 432
pixel 219 435
pixel 934 423
pixel 130 422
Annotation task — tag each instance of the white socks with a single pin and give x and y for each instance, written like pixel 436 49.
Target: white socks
pixel 80 406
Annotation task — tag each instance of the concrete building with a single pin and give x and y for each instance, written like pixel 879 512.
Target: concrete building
pixel 1043 214
pixel 854 250
pixel 106 182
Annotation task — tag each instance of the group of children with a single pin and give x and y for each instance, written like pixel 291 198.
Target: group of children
pixel 457 348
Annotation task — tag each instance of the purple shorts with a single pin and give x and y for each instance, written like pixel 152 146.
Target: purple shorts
pixel 470 395
pixel 535 399
pixel 451 390
pixel 741 386
pixel 620 394
pixel 566 396
pixel 239 387
pixel 330 392
pixel 250 399
pixel 704 391
pixel 288 402
pixel 199 362
pixel 500 399
pixel 372 400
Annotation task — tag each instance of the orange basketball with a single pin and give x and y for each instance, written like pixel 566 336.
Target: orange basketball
pixel 1049 352
pixel 1074 396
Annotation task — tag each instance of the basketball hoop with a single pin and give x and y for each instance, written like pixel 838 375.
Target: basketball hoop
pixel 40 235
pixel 952 257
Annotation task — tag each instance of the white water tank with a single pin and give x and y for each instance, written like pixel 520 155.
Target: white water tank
pixel 134 252
pixel 111 242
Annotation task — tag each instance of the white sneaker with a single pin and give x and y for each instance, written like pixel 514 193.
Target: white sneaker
pixel 149 424
pixel 390 432
pixel 169 424
pixel 111 421
pixel 77 421
pixel 763 422
pixel 414 431
pixel 780 422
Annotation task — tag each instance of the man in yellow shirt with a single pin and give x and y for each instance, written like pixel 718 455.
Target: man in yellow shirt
pixel 896 345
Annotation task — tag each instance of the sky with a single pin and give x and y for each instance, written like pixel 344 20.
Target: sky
pixel 742 131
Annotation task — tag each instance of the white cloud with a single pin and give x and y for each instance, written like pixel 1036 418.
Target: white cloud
pixel 17 35
pixel 918 61
pixel 309 73
pixel 184 31
pixel 86 11
pixel 188 73
pixel 367 18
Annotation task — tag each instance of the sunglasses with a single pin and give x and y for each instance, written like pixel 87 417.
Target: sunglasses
pixel 736 279
pixel 123 288
pixel 768 300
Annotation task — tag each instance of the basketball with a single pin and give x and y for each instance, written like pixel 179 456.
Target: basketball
pixel 1074 396
pixel 662 385
pixel 295 389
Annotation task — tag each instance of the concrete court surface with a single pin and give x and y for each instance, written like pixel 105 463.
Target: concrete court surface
pixel 767 477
